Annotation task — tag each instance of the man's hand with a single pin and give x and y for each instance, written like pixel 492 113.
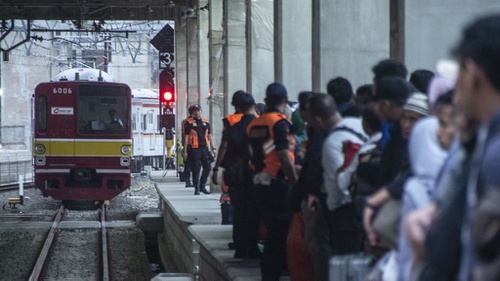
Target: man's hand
pixel 185 155
pixel 416 226
pixel 368 214
pixel 312 203
pixel 215 177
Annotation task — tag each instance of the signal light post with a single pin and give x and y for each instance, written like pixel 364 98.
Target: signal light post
pixel 164 43
pixel 167 110
pixel 167 99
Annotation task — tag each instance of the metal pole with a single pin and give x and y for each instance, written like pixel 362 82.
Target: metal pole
pixel 21 189
pixel 164 130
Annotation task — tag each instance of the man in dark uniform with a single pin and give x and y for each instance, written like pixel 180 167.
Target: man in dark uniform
pixel 272 146
pixel 186 174
pixel 198 139
pixel 238 176
pixel 227 122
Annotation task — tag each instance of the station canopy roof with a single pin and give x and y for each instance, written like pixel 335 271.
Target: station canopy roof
pixel 93 9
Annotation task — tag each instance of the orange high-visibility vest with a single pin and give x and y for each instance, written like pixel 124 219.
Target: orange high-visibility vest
pixel 234 118
pixel 262 128
pixel 193 135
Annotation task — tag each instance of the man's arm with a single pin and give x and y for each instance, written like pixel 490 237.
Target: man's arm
pixel 287 166
pixel 218 161
pixel 332 158
pixel 212 145
pixel 282 142
pixel 186 141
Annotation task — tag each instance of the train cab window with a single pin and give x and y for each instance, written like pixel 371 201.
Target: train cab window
pixel 41 123
pixel 103 109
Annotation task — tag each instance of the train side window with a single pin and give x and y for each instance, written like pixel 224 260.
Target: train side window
pixel 134 121
pixel 42 113
pixel 150 117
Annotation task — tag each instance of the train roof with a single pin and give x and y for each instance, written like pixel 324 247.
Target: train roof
pixel 83 74
pixel 144 93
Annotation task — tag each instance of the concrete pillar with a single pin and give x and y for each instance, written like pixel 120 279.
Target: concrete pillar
pixel 203 57
pixel 234 50
pixel 260 47
pixel 180 71
pixel 192 61
pixel 216 64
pixel 292 45
pixel 349 37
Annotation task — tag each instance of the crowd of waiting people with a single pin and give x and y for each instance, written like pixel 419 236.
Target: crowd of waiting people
pixel 405 170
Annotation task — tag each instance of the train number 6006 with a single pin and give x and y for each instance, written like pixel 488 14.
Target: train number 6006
pixel 62 91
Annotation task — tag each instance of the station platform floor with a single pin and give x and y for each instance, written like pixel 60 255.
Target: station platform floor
pixel 193 240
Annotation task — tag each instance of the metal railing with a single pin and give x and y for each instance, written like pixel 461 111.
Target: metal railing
pixel 15 159
pixel 10 171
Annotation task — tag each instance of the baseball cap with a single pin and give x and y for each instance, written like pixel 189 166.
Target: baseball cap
pixel 195 107
pixel 276 92
pixel 246 100
pixel 237 97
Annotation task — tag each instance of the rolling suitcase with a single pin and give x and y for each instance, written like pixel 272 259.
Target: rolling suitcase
pixel 350 267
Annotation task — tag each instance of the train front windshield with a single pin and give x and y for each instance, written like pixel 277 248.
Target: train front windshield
pixel 103 110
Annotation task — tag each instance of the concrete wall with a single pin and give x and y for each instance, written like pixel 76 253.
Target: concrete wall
pixel 18 87
pixel 260 47
pixel 354 36
pixel 432 28
pixel 216 72
pixel 181 74
pixel 234 50
pixel 203 56
pixel 295 47
pixel 192 62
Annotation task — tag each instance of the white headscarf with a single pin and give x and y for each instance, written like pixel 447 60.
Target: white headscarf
pixel 426 159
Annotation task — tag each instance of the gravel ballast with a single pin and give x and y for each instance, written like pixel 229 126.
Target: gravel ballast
pixel 76 249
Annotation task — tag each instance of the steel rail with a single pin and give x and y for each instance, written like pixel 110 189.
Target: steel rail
pixel 42 258
pixel 104 245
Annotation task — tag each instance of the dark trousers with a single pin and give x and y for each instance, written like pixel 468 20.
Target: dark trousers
pixel 246 217
pixel 198 158
pixel 187 172
pixel 276 216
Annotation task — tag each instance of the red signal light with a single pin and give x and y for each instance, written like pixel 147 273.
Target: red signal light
pixel 167 87
pixel 168 96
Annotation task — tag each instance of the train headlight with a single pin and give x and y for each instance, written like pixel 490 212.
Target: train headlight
pixel 40 149
pixel 40 160
pixel 125 150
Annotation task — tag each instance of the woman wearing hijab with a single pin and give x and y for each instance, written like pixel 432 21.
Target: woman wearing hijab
pixel 426 158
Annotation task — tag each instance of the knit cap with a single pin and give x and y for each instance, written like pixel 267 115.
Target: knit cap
pixel 417 102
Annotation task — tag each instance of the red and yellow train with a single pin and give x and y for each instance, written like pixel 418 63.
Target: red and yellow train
pixel 82 136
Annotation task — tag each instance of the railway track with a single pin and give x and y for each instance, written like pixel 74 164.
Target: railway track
pixel 47 259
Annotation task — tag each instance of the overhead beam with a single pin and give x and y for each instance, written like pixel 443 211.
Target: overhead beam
pixel 92 10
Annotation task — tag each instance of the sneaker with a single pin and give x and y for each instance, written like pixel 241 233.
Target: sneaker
pixel 189 185
pixel 204 190
pixel 196 192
